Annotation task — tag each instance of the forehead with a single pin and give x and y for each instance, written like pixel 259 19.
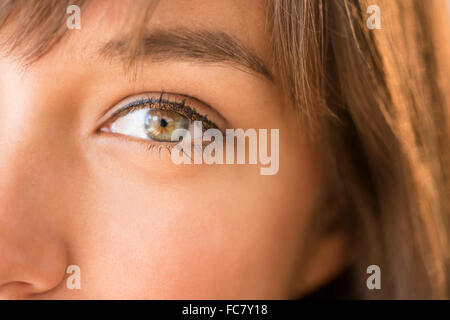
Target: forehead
pixel 106 20
pixel 244 19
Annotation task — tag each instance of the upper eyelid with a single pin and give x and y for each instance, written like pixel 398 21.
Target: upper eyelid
pixel 223 122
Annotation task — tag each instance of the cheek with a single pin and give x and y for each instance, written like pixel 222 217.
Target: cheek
pixel 229 234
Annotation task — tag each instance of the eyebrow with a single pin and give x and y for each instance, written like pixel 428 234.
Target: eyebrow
pixel 191 45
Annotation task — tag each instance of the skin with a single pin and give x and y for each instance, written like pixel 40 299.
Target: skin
pixel 139 226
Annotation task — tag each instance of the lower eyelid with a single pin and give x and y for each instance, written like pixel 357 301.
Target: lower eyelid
pixel 143 142
pixel 144 154
pixel 162 149
pixel 150 144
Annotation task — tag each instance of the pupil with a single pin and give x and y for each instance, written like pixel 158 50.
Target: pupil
pixel 163 123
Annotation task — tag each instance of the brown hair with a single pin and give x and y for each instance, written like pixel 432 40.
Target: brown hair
pixel 378 100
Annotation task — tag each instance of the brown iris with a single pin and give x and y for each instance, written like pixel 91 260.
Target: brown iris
pixel 160 124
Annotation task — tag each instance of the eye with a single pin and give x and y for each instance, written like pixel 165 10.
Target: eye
pixel 155 119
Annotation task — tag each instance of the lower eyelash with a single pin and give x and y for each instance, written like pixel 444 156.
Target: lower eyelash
pixel 169 147
pixel 160 147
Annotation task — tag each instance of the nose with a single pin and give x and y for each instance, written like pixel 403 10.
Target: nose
pixel 37 163
pixel 33 254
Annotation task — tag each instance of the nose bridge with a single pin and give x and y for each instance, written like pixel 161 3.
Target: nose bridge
pixel 28 166
pixel 33 135
pixel 32 248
